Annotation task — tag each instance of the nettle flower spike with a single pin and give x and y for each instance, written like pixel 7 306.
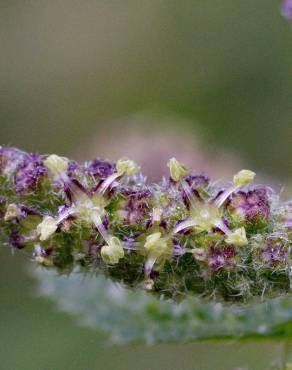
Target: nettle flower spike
pixel 181 236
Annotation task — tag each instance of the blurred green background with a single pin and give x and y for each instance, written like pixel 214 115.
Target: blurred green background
pixel 209 81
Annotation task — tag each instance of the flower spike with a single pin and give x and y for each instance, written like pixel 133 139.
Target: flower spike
pixel 177 237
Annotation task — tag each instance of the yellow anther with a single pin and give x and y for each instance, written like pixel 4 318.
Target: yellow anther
pixel 237 237
pixel 47 227
pixel 243 177
pixel 127 166
pixel 12 212
pixel 156 245
pixel 56 164
pixel 177 170
pixel 113 251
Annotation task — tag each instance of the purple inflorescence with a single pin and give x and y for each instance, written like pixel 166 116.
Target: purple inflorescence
pixel 180 235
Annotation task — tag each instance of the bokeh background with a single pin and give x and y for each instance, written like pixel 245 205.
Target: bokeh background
pixel 207 81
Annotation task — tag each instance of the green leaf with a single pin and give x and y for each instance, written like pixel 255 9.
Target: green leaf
pixel 128 315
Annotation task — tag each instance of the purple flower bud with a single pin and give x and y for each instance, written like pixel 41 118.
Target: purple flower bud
pixel 29 172
pixel 253 205
pixel 99 168
pixel 287 9
pixel 221 257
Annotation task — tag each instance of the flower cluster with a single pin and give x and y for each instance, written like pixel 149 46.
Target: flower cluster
pixel 184 235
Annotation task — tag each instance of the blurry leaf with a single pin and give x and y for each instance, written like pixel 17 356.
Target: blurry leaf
pixel 127 315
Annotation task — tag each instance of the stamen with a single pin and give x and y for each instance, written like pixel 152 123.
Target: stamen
pixel 106 184
pixel 188 191
pixel 242 178
pixel 184 225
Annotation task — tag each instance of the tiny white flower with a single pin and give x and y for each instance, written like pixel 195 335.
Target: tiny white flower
pixel 237 237
pixel 177 170
pixel 243 177
pixel 47 227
